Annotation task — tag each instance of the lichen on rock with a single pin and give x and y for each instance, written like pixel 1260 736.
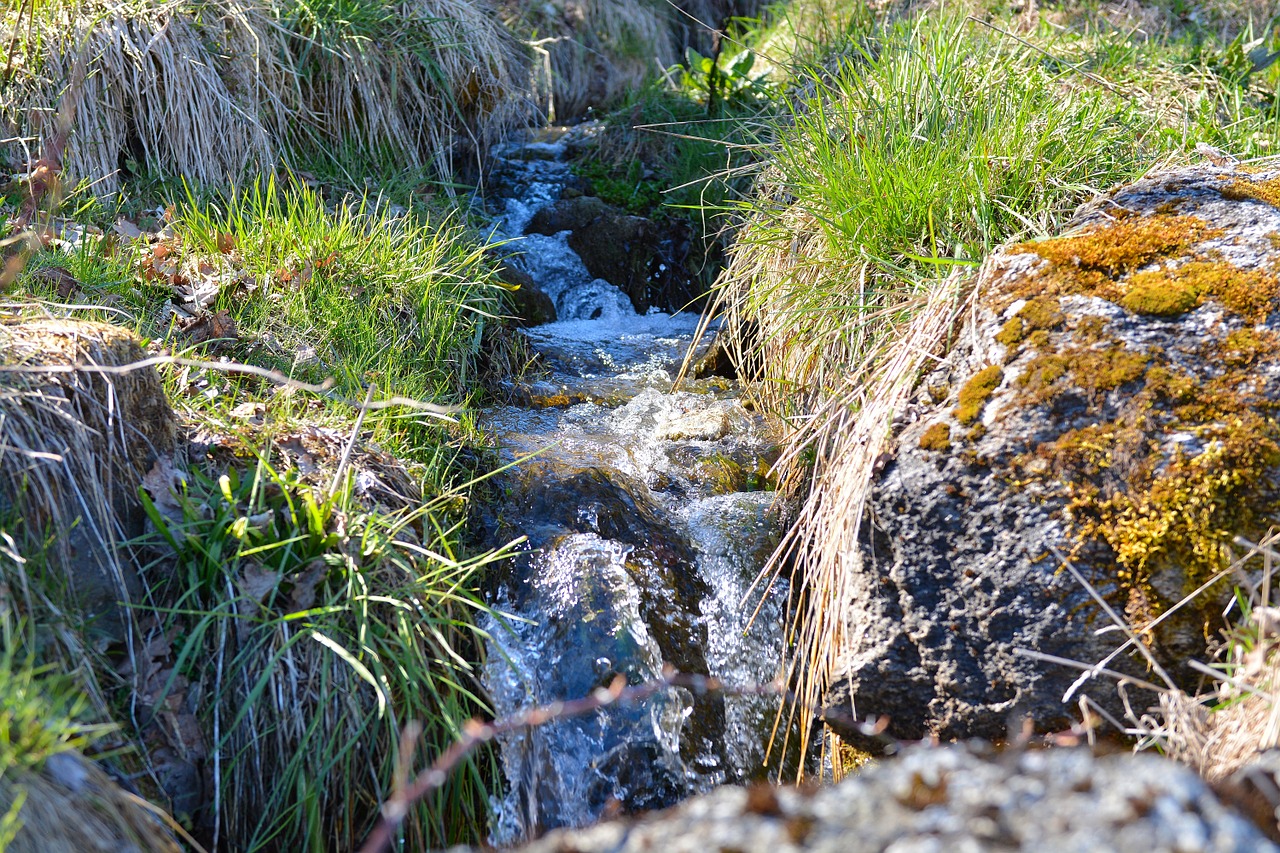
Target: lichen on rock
pixel 1126 375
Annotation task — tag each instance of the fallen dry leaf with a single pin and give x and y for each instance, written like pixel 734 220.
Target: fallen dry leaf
pixel 59 279
pixel 256 583
pixel 305 585
pixel 210 326
pixel 226 243
pixel 162 483
pixel 127 230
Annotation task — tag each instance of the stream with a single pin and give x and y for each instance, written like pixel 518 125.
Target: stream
pixel 646 531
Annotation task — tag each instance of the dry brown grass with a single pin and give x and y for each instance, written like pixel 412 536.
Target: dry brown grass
pixel 76 444
pixel 213 91
pixel 843 390
pixel 59 425
pixel 70 806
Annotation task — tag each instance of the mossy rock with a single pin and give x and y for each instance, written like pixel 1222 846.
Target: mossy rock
pixel 1112 417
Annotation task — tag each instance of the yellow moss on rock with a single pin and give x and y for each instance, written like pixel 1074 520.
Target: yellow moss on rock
pixel 1154 504
pixel 976 392
pixel 1165 292
pixel 1266 191
pixel 1088 368
pixel 1159 293
pixel 937 438
pixel 1090 262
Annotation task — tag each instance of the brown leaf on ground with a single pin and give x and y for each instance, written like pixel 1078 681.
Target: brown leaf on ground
pixel 210 326
pixel 127 230
pixel 256 583
pixel 12 266
pixel 59 279
pixel 254 413
pixel 162 483
pixel 305 585
pixel 226 243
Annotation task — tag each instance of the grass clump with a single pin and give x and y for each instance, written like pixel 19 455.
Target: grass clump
pixel 324 626
pixel 307 596
pixel 912 149
pixel 396 303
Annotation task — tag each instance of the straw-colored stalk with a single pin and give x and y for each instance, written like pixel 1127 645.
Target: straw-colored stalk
pixel 843 387
pixel 1224 730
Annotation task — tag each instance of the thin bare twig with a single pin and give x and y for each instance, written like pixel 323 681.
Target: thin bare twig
pixel 433 409
pixel 476 733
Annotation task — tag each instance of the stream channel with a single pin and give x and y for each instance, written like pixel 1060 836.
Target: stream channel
pixel 644 541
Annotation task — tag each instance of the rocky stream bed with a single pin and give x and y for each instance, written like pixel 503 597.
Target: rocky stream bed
pixel 645 525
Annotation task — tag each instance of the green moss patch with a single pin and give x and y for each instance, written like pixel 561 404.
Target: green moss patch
pixel 1091 369
pixel 976 392
pixel 1159 293
pixel 1040 314
pixel 1183 467
pixel 1168 292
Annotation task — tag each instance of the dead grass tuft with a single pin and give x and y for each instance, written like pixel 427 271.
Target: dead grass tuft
pixel 70 806
pixel 59 425
pixel 215 90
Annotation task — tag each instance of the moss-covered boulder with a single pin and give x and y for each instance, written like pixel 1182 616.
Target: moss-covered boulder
pixel 1111 404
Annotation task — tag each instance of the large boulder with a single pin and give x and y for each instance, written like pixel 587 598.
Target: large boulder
pixel 1110 404
pixel 962 797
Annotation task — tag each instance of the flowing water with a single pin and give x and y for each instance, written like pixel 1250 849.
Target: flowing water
pixel 644 544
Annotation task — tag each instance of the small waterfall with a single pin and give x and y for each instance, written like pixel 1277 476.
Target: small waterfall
pixel 644 546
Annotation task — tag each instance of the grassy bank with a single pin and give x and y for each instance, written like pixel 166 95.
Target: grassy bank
pixel 137 86
pixel 302 595
pixel 915 142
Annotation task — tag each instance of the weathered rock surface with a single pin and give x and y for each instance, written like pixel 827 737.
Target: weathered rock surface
pixel 613 245
pixel 957 798
pixel 1112 401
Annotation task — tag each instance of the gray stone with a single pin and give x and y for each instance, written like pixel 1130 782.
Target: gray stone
pixel 531 304
pixel 962 797
pixel 613 245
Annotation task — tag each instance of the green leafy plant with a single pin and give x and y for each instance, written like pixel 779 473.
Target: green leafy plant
pixel 726 79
